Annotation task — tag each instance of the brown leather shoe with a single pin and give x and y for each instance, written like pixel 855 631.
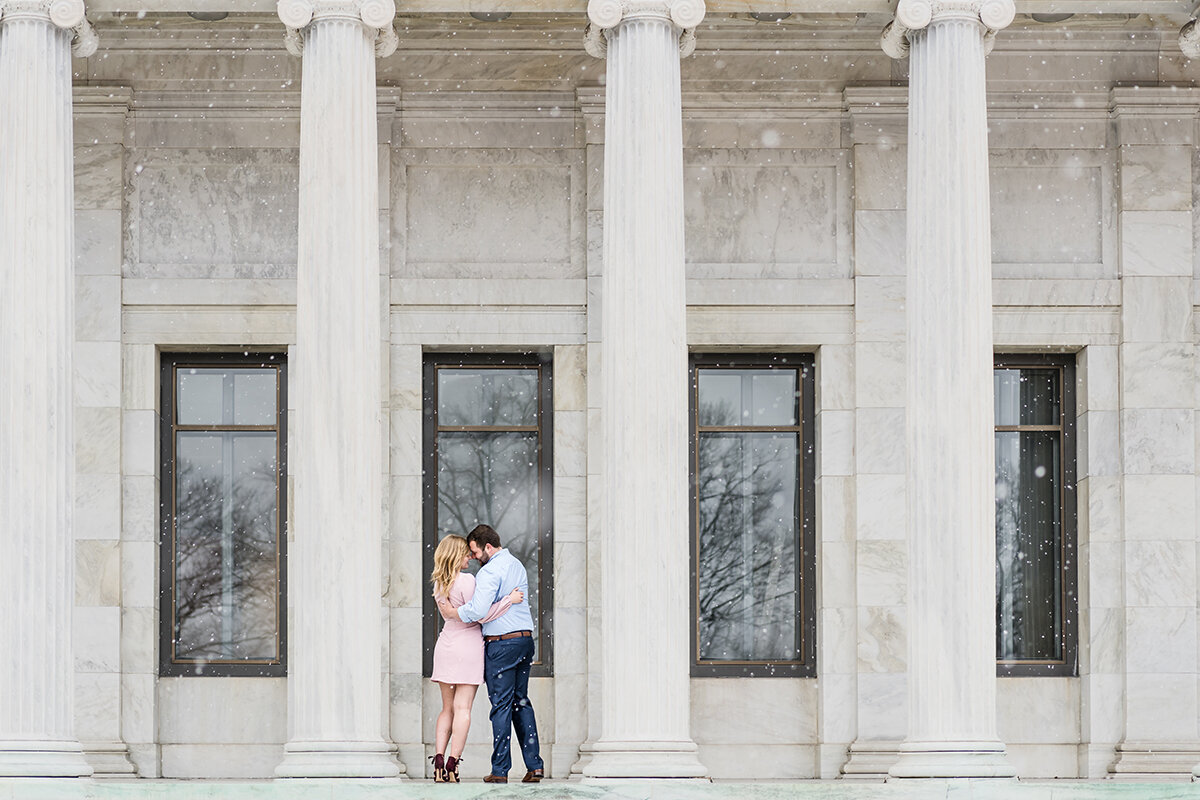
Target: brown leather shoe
pixel 533 776
pixel 495 779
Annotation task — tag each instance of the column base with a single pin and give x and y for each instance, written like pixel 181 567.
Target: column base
pixel 108 759
pixel 42 759
pixel 1158 760
pixel 952 760
pixel 644 759
pixel 870 760
pixel 338 760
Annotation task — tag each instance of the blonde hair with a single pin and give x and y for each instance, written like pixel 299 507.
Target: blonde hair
pixel 447 560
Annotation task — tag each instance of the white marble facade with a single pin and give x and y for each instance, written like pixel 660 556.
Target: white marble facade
pixel 490 144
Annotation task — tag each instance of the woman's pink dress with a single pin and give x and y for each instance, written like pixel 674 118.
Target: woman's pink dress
pixel 458 654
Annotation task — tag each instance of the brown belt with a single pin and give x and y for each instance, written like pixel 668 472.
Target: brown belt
pixel 513 635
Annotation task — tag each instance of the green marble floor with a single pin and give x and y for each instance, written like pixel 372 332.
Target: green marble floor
pixel 52 789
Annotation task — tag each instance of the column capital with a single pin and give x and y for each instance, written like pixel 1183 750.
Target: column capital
pixel 915 15
pixel 70 15
pixel 1189 39
pixel 376 15
pixel 604 15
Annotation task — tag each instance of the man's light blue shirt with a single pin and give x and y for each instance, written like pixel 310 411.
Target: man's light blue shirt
pixel 495 579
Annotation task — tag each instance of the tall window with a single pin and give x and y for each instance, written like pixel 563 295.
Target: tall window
pixel 488 459
pixel 1035 515
pixel 223 499
pixel 753 516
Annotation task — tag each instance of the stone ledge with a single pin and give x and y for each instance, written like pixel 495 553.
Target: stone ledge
pixel 403 789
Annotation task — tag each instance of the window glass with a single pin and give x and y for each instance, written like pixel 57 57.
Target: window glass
pixel 753 590
pixel 222 557
pixel 1034 472
pixel 503 397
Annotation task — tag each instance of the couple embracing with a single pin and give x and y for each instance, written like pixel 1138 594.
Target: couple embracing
pixel 488 635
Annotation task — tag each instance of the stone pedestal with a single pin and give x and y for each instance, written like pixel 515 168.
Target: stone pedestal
pixel 335 682
pixel 37 446
pixel 950 486
pixel 645 694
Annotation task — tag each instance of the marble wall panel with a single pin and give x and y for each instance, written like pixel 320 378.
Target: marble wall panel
pixel 1160 507
pixel 1156 309
pixel 1158 441
pixel 1098 443
pixel 767 214
pixel 209 213
pixel 1156 243
pixel 222 710
pixel 883 705
pixel 98 242
pixel 883 512
pixel 1038 710
pixel 880 177
pixel 1161 640
pixel 217 761
pixel 882 639
pixel 880 238
pixel 98 176
pixel 97 572
pixel 96 299
pixel 98 706
pixel 835 377
pixel 880 378
pixel 98 373
pixel 1151 699
pixel 835 443
pixel 139 635
pixel 1105 643
pixel 139 508
pixel 880 441
pixel 488 213
pixel 98 440
pixel 879 309
pixel 405 634
pixel 1156 178
pixel 97 506
pixel 837 632
pixel 836 565
pixel 835 508
pixel 1160 573
pixel 1051 213
pixel 753 710
pixel 882 573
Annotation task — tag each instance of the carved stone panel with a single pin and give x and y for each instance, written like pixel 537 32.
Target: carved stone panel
pixel 221 213
pixel 767 213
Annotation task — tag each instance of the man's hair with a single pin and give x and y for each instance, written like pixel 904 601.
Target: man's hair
pixel 484 534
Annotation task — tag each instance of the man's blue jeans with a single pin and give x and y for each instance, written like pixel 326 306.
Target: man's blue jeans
pixel 506 664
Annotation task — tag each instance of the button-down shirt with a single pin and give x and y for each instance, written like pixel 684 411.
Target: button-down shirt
pixel 499 576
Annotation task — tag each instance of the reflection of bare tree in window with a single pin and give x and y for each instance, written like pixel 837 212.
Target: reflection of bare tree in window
pixel 748 590
pixel 491 476
pixel 225 602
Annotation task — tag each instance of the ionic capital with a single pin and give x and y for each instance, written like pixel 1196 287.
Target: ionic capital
pixel 605 15
pixel 375 15
pixel 915 15
pixel 1189 39
pixel 69 15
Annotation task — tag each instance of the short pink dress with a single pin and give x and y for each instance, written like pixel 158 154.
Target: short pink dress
pixel 458 654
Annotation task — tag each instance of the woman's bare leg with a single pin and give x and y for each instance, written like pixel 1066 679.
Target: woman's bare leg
pixel 464 696
pixel 445 719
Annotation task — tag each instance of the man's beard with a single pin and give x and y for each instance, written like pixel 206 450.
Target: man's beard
pixel 482 558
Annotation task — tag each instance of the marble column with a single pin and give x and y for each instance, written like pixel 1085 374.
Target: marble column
pixel 37 327
pixel 950 485
pixel 645 685
pixel 335 683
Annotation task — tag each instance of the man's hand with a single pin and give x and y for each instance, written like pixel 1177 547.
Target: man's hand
pixel 449 612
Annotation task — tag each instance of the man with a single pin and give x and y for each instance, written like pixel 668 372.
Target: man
pixel 507 653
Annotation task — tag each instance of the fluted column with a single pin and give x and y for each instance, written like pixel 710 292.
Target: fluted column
pixel 37 331
pixel 645 693
pixel 951 483
pixel 336 702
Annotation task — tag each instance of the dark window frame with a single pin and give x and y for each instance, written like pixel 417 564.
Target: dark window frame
pixel 543 362
pixel 170 363
pixel 806 618
pixel 1068 632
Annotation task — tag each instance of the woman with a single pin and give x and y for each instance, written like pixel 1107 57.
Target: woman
pixel 458 654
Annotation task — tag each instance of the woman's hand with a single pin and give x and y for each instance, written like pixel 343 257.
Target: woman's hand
pixel 516 596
